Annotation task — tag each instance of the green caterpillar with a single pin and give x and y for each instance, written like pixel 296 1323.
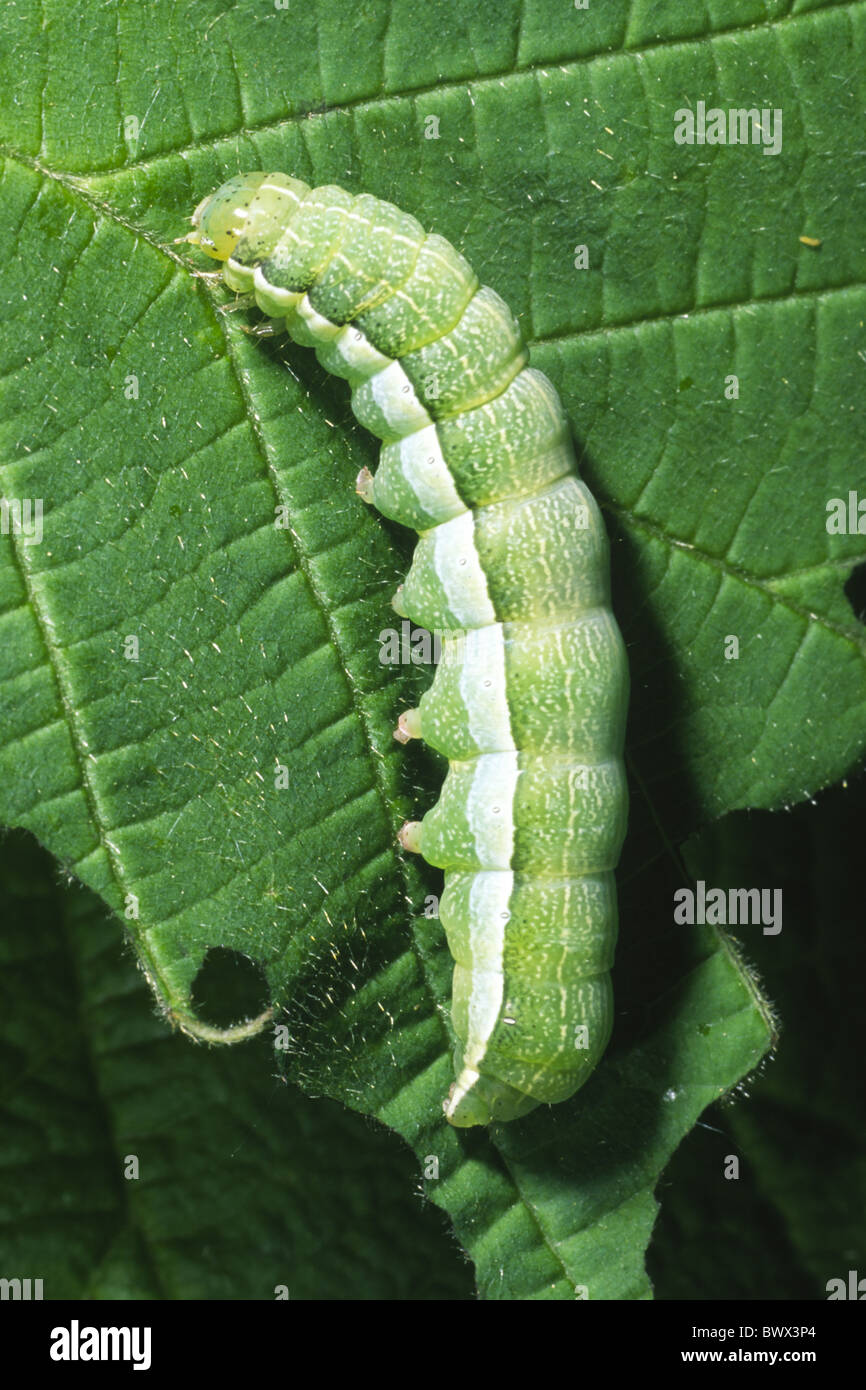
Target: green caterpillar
pixel 529 700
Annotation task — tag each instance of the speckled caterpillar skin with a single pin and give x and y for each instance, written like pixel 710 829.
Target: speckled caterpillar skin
pixel 529 703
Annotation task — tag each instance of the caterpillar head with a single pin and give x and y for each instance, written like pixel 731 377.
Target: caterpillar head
pixel 242 207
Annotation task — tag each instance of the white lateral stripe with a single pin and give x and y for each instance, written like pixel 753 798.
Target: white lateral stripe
pixel 483 688
pixel 459 571
pixel 321 328
pixel 462 1086
pixel 237 272
pixel 395 397
pixel 489 911
pixel 428 475
pixel 490 808
pixel 286 299
pixel 358 352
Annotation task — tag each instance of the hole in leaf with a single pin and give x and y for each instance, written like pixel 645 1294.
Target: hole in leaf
pixel 855 592
pixel 229 988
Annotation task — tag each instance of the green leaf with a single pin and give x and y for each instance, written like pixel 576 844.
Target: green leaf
pixel 138 1166
pixel 160 440
pixel 794 1218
